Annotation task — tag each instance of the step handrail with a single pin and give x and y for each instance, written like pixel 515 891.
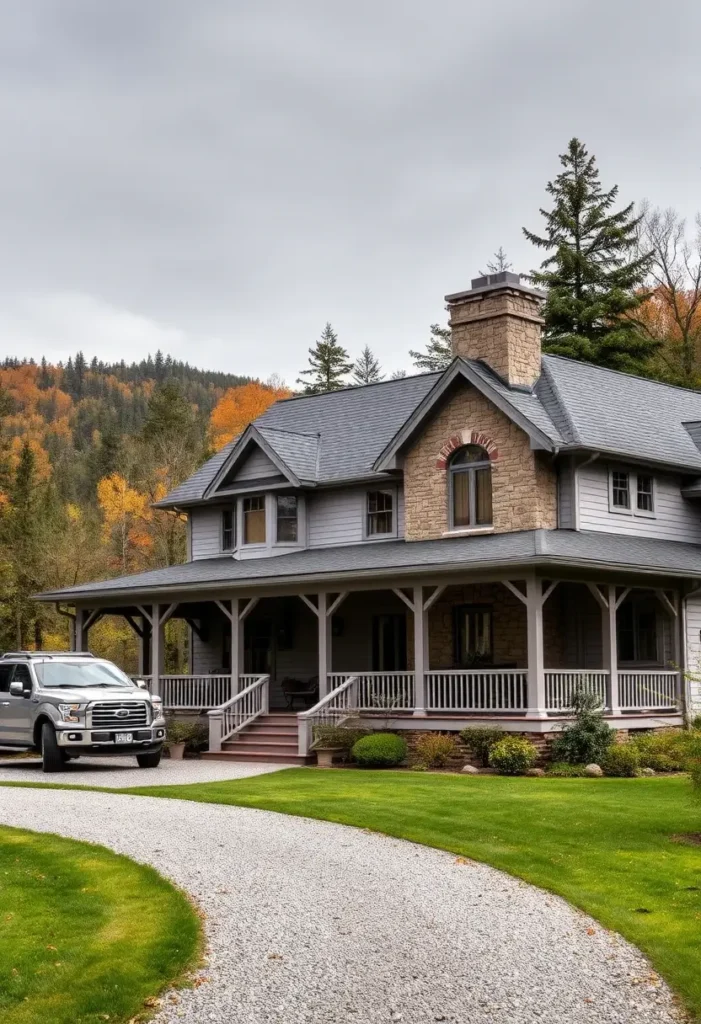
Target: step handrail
pixel 238 712
pixel 331 707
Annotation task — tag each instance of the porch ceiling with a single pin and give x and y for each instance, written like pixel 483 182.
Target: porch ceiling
pixel 533 549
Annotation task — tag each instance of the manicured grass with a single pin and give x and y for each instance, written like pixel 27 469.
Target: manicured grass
pixel 604 844
pixel 85 934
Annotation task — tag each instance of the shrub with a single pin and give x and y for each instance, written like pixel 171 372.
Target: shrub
pixel 480 741
pixel 588 738
pixel 563 770
pixel 337 737
pixel 621 760
pixel 379 750
pixel 664 750
pixel 194 735
pixel 512 755
pixel 434 750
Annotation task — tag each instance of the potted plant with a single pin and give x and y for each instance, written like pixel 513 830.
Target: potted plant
pixel 179 735
pixel 331 740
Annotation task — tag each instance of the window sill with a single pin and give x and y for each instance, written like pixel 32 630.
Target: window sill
pixel 468 531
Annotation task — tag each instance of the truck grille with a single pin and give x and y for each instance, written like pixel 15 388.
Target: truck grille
pixel 110 714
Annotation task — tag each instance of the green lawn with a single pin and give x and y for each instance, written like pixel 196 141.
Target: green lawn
pixel 85 935
pixel 604 844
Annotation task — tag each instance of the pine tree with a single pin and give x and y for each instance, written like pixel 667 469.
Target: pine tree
pixel 329 363
pixel 439 351
pixel 498 264
pixel 593 274
pixel 367 369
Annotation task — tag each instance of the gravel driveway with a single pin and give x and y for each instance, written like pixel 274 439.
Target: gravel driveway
pixel 314 922
pixel 123 772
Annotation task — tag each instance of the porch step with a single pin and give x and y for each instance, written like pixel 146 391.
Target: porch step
pixel 261 743
pixel 269 738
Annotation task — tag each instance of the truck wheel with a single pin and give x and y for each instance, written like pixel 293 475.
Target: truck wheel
pixel 51 756
pixel 149 760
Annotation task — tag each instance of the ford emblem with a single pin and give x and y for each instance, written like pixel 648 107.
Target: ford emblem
pixel 121 713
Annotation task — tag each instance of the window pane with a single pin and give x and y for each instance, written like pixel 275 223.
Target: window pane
pixel 483 488
pixel 254 520
pixel 470 453
pixel 380 512
pixel 645 503
pixel 5 674
pixel 287 519
pixel 620 489
pixel 227 533
pixel 647 636
pixel 461 499
pixel 482 632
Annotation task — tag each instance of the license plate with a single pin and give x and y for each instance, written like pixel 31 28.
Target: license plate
pixel 123 737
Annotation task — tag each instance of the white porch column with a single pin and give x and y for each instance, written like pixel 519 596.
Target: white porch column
pixel 237 644
pixel 156 649
pixel 420 652
pixel 537 705
pixel 324 627
pixel 609 620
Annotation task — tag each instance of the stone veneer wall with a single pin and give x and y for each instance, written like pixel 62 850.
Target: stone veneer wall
pixel 524 483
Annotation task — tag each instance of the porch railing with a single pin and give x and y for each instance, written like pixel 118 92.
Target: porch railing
pixel 232 716
pixel 562 684
pixel 477 690
pixel 647 691
pixel 194 693
pixel 377 691
pixel 330 710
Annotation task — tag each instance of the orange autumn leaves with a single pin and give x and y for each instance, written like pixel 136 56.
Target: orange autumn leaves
pixel 240 406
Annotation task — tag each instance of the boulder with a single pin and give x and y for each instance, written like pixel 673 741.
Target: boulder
pixel 535 772
pixel 593 771
pixel 647 771
pixel 470 769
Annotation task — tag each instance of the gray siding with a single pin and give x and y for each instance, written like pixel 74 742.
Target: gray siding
pixel 675 518
pixel 256 467
pixel 205 527
pixel 693 648
pixel 338 517
pixel 565 497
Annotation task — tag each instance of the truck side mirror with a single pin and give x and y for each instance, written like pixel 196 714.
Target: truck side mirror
pixel 17 690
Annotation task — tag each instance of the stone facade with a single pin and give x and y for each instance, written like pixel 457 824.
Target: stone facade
pixel 503 328
pixel 524 483
pixel 510 641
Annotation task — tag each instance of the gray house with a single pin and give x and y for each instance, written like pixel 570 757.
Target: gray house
pixel 469 545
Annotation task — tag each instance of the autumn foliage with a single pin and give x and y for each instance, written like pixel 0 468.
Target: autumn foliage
pixel 239 407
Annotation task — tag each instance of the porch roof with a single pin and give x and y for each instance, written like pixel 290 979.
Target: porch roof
pixel 532 548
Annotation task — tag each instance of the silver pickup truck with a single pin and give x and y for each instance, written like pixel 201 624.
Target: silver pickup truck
pixel 65 705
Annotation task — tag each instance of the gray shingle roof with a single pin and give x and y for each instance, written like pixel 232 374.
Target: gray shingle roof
pixel 297 450
pixel 615 412
pixel 534 547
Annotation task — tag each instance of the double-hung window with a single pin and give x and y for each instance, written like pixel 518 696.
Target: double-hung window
pixel 632 492
pixel 380 514
pixel 470 488
pixel 473 635
pixel 254 520
pixel 287 529
pixel 228 530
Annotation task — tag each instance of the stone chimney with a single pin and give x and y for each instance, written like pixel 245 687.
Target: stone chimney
pixel 498 320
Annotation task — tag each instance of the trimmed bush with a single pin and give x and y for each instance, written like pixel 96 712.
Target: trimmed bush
pixel 337 737
pixel 513 755
pixel 621 760
pixel 563 770
pixel 433 750
pixel 588 738
pixel 480 741
pixel 379 750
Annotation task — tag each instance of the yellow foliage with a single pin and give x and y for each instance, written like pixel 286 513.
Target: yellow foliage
pixel 240 406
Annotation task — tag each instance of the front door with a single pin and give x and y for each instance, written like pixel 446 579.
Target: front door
pixel 389 643
pixel 15 712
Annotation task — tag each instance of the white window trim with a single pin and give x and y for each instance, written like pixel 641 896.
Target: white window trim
pixel 291 545
pixel 271 542
pixel 633 511
pixel 393 533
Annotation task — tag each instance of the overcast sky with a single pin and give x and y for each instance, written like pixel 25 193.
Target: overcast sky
pixel 218 178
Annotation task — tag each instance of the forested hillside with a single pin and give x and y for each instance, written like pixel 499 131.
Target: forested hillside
pixel 85 449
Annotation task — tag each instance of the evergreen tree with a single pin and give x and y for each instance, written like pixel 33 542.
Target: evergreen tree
pixel 367 369
pixel 21 533
pixel 439 351
pixel 329 363
pixel 593 274
pixel 498 264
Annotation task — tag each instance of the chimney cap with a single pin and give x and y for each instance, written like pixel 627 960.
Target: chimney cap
pixel 494 282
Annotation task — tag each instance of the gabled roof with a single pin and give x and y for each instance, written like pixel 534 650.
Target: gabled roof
pixel 521 405
pixel 294 455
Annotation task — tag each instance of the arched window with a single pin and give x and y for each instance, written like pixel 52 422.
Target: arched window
pixel 470 488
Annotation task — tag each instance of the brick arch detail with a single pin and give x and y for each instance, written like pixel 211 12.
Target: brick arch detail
pixel 463 438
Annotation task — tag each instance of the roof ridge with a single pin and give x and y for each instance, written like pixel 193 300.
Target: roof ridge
pixel 560 402
pixel 360 387
pixel 281 430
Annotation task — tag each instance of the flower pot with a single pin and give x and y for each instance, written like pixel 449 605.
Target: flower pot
pixel 177 751
pixel 324 756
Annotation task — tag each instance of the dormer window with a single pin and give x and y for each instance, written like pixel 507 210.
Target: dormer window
pixel 380 514
pixel 286 506
pixel 470 488
pixel 228 536
pixel 632 492
pixel 254 520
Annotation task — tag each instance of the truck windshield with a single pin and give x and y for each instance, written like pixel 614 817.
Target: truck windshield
pixel 79 674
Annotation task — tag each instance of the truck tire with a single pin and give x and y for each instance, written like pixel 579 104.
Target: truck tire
pixel 52 759
pixel 149 760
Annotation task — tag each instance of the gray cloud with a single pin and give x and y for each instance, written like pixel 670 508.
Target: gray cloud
pixel 220 178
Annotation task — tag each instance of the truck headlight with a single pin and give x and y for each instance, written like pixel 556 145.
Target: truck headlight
pixel 157 705
pixel 72 712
